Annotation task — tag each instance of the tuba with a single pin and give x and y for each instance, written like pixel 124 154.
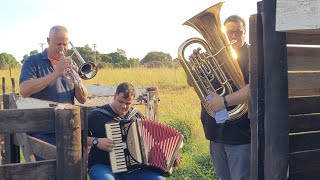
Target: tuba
pixel 215 69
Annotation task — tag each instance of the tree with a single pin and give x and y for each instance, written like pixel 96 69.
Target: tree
pixel 118 60
pixel 8 61
pixel 156 56
pixel 86 53
pixel 34 52
pixel 105 58
pixel 134 62
pixel 25 57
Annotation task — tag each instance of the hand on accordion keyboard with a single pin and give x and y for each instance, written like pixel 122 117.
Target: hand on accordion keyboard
pixel 105 144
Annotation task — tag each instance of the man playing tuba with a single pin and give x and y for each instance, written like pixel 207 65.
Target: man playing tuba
pixel 230 140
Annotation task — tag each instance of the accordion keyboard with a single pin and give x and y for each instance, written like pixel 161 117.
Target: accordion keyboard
pixel 117 156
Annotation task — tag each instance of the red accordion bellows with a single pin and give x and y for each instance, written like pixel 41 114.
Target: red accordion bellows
pixel 143 143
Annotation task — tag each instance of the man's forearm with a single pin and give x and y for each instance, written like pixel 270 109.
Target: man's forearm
pixel 239 97
pixel 81 93
pixel 32 86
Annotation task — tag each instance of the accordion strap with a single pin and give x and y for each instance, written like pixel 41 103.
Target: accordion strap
pixel 130 115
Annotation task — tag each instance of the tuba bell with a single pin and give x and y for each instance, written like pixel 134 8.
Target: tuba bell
pixel 215 69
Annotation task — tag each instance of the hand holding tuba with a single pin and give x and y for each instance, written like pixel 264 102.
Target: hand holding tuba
pixel 215 69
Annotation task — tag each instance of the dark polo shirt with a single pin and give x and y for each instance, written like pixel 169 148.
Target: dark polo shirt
pixel 232 132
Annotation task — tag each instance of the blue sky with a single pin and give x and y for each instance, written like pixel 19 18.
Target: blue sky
pixel 137 27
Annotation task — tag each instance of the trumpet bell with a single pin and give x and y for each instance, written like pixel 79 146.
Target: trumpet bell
pixel 87 70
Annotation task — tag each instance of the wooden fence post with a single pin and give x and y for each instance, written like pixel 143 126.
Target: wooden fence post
pixel 13 86
pixel 84 123
pixel 68 135
pixel 256 106
pixel 152 103
pixel 2 136
pixel 276 96
pixel 12 152
pixel 3 85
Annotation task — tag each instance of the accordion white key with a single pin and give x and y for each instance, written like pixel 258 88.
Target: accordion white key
pixel 143 143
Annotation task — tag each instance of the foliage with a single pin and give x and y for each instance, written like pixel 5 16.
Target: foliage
pixel 134 62
pixel 156 56
pixel 118 59
pixel 26 56
pixel 86 53
pixel 34 52
pixel 8 61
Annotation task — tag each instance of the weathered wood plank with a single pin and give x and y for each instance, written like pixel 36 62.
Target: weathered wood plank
pixel 25 120
pixel 25 146
pixel 303 63
pixel 304 105
pixel 12 152
pixel 298 38
pixel 310 174
pixel 33 170
pixel 68 129
pixel 84 134
pixel 304 122
pixel 256 105
pixel 304 83
pixel 304 141
pixel 40 148
pixel 276 96
pixel 297 15
pixel 303 161
pixel 303 51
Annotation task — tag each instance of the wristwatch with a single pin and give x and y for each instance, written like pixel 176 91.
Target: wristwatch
pixel 95 142
pixel 225 102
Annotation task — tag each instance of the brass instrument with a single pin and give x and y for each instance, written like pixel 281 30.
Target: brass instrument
pixel 215 70
pixel 87 70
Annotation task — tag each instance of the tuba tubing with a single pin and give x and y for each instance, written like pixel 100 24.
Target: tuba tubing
pixel 214 70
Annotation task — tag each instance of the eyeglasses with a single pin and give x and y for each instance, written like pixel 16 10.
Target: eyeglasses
pixel 238 32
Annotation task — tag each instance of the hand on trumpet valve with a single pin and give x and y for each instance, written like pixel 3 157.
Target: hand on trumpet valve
pixel 62 64
pixel 70 73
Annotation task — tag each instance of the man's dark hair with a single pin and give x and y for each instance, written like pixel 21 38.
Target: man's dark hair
pixel 235 19
pixel 127 89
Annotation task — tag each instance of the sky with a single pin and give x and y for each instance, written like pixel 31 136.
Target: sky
pixel 135 26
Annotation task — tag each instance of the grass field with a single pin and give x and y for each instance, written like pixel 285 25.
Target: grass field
pixel 179 107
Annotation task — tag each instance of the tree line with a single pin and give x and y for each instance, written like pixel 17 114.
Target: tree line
pixel 116 59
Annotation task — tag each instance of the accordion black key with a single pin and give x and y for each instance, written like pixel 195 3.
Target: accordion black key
pixel 145 143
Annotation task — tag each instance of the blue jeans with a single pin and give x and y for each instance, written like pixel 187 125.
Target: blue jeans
pixel 104 172
pixel 231 162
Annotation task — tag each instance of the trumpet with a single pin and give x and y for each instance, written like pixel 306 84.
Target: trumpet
pixel 86 70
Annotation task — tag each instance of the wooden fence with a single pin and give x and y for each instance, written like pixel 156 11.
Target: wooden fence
pixel 68 159
pixel 285 89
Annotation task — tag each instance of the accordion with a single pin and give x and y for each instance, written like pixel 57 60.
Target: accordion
pixel 139 143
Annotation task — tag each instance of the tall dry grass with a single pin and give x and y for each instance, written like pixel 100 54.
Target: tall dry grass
pixel 179 107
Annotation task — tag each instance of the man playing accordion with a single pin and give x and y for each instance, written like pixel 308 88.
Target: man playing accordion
pixel 119 110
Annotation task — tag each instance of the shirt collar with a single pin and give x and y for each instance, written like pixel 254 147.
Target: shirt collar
pixel 44 54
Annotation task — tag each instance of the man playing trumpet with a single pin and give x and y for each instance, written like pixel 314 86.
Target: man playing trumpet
pixel 42 76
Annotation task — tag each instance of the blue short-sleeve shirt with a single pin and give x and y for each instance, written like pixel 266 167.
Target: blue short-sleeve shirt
pixel 60 90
